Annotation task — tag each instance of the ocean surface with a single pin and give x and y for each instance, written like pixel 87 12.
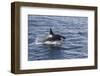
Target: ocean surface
pixel 74 29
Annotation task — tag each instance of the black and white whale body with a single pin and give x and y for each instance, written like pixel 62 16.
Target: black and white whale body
pixel 55 39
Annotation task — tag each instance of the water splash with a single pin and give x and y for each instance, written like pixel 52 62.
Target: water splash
pixel 38 41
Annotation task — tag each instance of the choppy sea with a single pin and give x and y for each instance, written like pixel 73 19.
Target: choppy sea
pixel 75 30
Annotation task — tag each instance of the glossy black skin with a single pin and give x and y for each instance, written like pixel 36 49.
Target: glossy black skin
pixel 55 37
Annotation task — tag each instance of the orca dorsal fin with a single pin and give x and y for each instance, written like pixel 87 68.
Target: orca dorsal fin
pixel 51 32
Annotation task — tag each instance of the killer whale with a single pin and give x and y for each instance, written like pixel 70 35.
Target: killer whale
pixel 53 38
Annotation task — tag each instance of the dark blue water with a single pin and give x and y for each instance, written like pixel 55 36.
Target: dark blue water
pixel 73 28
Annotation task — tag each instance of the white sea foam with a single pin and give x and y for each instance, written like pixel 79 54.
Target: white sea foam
pixel 38 41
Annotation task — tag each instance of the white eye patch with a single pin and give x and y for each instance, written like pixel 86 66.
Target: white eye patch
pixel 50 36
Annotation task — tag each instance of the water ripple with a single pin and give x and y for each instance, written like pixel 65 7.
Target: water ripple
pixel 73 28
